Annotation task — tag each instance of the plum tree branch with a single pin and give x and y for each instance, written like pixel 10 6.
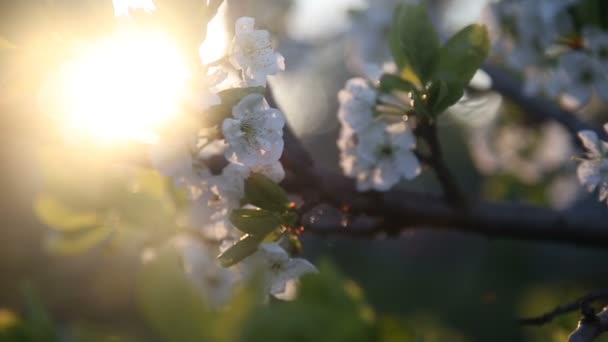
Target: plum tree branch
pixel 581 303
pixel 539 107
pixel 396 211
pixel 590 327
pixel 428 131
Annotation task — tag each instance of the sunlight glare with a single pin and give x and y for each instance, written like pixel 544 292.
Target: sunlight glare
pixel 124 87
pixel 122 7
pixel 215 44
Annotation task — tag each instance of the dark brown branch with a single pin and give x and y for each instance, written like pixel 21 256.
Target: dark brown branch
pixel 590 327
pixel 397 211
pixel 454 195
pixel 539 107
pixel 578 304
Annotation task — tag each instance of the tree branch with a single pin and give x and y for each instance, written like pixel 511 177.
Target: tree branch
pixel 539 107
pixel 580 303
pixel 396 211
pixel 590 327
pixel 454 195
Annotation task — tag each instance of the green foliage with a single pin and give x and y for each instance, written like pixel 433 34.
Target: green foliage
pixel 435 75
pixel 255 222
pixel 229 98
pixel 328 308
pixel 168 300
pixel 414 43
pixel 274 214
pixel 77 242
pixel 460 57
pixel 61 217
pixel 36 325
pixel 133 200
pixel 243 248
pixel 591 13
pixel 389 82
pixel 263 193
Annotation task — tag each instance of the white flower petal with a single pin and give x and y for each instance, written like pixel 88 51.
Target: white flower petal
pixel 591 142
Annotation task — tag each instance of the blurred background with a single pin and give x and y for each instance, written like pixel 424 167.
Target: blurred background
pixel 446 286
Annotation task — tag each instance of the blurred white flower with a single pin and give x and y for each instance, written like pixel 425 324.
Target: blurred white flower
pixel 585 74
pixel 215 283
pixel 252 53
pixel 357 102
pixel 231 183
pixel 528 154
pixel 255 134
pixel 379 156
pixel 278 268
pixel 210 213
pixel 592 172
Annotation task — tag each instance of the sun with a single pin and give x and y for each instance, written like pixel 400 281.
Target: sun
pixel 123 87
pixel 129 84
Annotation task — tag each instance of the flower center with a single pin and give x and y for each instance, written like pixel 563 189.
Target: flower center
pixel 248 128
pixel 385 151
pixel 587 76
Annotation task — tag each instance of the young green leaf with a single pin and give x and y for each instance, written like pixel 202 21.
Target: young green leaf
pixel 414 43
pixel 262 192
pixel 389 82
pixel 246 246
pixel 61 217
pixel 460 57
pixel 255 222
pixel 77 242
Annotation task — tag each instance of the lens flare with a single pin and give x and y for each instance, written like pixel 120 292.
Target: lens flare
pixel 124 87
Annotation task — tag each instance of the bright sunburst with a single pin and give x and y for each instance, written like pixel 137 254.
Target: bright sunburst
pixel 125 86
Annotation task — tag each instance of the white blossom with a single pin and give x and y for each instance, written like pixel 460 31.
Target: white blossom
pixel 210 213
pixel 277 267
pixel 231 183
pixel 252 53
pixel 526 153
pixel 357 101
pixel 592 172
pixel 585 74
pixel 214 283
pixel 381 156
pixel 255 133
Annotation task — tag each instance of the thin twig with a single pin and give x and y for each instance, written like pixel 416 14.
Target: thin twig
pixel 566 308
pixel 590 328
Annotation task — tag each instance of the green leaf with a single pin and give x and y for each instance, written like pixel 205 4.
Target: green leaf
pixel 246 246
pixel 77 242
pixel 262 192
pixel 255 222
pixel 170 302
pixel 61 217
pixel 460 57
pixel 389 83
pixel 414 43
pixel 38 325
pixel 229 97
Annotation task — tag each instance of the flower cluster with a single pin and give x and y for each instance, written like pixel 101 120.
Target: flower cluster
pixel 556 56
pixel 249 139
pixel 376 144
pixel 592 172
